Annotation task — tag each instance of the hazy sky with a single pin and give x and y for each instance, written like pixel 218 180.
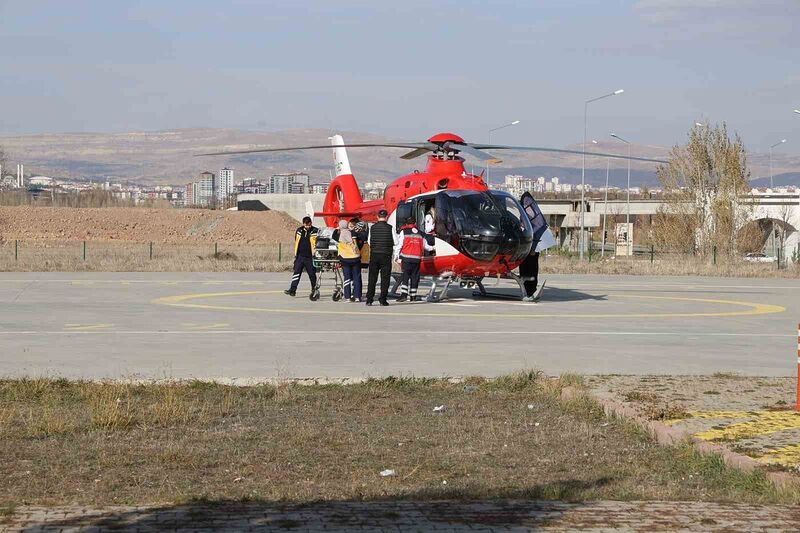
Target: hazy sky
pixel 405 69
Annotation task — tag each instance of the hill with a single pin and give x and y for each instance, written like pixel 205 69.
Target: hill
pixel 168 157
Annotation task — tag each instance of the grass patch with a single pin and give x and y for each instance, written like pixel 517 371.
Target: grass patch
pixel 639 396
pixel 512 437
pixel 7 512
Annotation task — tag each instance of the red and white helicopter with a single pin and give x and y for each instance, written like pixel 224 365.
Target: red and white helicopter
pixel 478 233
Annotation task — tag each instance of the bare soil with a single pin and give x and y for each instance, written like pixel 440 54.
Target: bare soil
pixel 141 225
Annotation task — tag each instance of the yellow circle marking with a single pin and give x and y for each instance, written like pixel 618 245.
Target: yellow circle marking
pixel 185 300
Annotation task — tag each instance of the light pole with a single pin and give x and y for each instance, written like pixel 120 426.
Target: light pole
pixel 583 161
pixel 513 123
pixel 605 206
pixel 771 185
pixel 629 243
pixel 797 111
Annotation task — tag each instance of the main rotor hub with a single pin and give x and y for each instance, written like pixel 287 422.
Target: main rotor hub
pixel 441 138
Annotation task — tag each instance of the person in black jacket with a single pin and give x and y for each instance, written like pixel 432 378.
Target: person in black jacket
pixel 305 240
pixel 382 238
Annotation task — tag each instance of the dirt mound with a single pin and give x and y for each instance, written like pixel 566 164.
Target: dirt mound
pixel 144 225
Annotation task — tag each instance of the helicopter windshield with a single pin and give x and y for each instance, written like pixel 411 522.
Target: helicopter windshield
pixel 483 225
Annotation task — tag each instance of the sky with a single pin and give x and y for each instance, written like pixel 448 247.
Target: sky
pixel 405 69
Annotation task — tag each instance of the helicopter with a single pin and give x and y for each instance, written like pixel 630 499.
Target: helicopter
pixel 478 233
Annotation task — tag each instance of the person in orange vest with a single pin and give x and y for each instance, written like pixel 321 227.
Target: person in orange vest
pixel 410 245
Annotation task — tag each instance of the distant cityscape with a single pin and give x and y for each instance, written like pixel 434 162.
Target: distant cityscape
pixel 220 189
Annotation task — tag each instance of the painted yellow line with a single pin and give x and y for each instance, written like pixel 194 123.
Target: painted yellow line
pixel 765 423
pixel 184 300
pixel 86 327
pixel 723 414
pixel 787 455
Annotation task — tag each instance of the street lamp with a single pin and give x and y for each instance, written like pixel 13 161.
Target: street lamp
pixel 513 123
pixel 771 185
pixel 629 243
pixel 605 206
pixel 583 161
pixel 797 111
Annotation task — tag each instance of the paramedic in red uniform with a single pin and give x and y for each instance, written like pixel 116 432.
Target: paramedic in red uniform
pixel 410 245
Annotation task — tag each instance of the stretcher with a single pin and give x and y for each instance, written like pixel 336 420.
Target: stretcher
pixel 326 263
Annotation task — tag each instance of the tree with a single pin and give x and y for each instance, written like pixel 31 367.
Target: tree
pixel 704 181
pixel 3 163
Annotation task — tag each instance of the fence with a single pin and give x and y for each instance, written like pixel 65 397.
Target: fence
pixel 94 255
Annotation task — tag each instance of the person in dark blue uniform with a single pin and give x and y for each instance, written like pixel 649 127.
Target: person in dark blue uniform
pixel 305 240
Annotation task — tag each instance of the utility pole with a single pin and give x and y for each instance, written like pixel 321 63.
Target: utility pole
pixel 583 162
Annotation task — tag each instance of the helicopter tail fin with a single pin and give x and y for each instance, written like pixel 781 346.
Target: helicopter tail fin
pixel 341 163
pixel 343 197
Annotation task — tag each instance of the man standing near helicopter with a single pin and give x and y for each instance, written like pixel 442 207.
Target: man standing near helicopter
pixel 411 243
pixel 305 240
pixel 382 240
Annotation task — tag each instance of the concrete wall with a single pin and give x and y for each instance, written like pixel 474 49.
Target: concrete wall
pixel 292 204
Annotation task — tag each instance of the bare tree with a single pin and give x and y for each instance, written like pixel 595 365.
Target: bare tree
pixel 3 163
pixel 704 182
pixel 781 229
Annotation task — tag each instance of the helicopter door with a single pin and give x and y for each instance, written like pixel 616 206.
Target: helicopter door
pixel 542 238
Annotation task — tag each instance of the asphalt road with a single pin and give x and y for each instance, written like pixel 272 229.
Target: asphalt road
pixel 241 325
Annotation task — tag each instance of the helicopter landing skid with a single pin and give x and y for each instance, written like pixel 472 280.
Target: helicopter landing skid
pixel 523 293
pixel 432 296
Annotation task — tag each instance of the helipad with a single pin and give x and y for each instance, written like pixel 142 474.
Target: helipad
pixel 241 325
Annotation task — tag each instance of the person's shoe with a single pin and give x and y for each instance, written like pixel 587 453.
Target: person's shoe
pixel 384 303
pixel 357 300
pixel 413 299
pixel 403 298
pixel 352 300
pixel 369 302
pixel 290 292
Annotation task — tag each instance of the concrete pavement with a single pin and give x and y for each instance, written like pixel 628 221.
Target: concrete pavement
pixel 241 325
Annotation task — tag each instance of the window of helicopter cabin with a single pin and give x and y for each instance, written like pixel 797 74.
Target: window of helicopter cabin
pixel 512 207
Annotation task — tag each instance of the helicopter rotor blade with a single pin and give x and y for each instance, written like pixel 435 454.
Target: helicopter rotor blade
pixel 471 150
pixel 562 151
pixel 324 146
pixel 415 153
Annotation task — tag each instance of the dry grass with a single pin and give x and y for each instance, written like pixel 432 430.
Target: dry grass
pixel 514 437
pixel 666 265
pixel 63 256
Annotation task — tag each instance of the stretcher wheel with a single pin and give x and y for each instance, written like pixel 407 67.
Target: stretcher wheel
pixel 337 295
pixel 314 296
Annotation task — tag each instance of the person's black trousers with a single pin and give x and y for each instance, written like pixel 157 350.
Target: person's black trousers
pixel 303 263
pixel 409 281
pixel 529 272
pixel 379 263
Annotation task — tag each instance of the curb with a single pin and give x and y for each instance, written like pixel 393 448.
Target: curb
pixel 668 436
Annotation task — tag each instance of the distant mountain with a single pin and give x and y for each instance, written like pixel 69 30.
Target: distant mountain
pixel 780 180
pixel 168 157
